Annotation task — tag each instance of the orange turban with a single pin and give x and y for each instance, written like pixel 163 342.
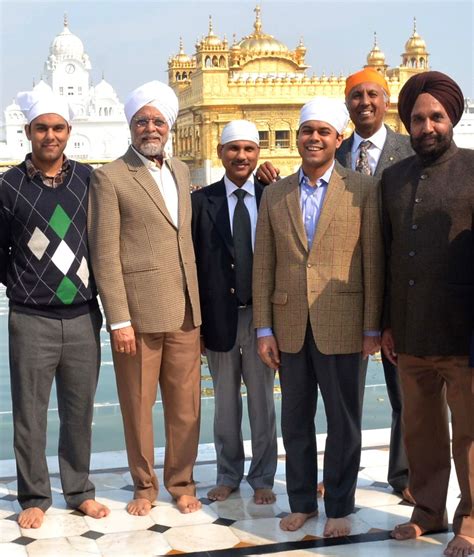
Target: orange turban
pixel 366 75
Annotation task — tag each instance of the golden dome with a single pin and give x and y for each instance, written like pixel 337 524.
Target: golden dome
pixel 182 56
pixel 375 57
pixel 415 44
pixel 211 39
pixel 261 43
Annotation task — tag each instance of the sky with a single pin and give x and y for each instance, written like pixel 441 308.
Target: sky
pixel 130 41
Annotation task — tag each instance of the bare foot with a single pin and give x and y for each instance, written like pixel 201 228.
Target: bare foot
pixel 219 493
pixel 460 546
pixel 188 504
pixel 139 507
pixel 294 521
pixel 31 518
pixel 320 489
pixel 337 527
pixel 92 508
pixel 407 531
pixel 408 497
pixel 264 496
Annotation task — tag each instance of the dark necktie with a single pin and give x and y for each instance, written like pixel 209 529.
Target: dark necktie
pixel 242 237
pixel 362 165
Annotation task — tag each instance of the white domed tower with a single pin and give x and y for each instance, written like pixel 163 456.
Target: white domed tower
pixel 67 67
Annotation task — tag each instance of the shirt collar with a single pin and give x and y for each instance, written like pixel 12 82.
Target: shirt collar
pixel 378 139
pixel 322 181
pixel 151 165
pixel 32 171
pixel 230 187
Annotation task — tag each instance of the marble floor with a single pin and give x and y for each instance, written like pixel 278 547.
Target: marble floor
pixel 232 528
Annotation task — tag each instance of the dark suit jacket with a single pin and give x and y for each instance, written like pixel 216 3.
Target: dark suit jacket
pixel 428 215
pixel 396 148
pixel 214 249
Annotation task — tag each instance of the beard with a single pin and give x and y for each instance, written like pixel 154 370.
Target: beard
pixel 151 149
pixel 438 145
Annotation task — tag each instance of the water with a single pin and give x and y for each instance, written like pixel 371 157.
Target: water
pixel 107 426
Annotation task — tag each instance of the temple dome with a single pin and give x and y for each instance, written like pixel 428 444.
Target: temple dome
pixel 66 44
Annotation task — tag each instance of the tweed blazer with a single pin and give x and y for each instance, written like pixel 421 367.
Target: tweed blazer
pixel 396 148
pixel 428 215
pixel 338 284
pixel 143 264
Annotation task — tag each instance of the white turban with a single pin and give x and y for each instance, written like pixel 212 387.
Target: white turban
pixel 240 130
pixel 36 103
pixel 156 93
pixel 325 109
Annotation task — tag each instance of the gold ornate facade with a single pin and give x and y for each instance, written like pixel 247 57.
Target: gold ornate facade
pixel 260 79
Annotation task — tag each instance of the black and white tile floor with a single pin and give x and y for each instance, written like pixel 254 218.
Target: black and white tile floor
pixel 232 528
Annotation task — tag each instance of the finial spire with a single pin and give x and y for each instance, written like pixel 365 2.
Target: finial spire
pixel 375 39
pixel 103 75
pixel 414 25
pixel 210 26
pixel 181 48
pixel 66 23
pixel 258 22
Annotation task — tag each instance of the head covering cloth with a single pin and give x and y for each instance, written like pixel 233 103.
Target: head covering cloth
pixel 367 75
pixel 157 94
pixel 240 130
pixel 36 103
pixel 325 109
pixel 444 89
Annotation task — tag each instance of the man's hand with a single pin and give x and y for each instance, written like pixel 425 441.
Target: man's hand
pixel 267 348
pixel 370 346
pixel 388 346
pixel 123 340
pixel 267 173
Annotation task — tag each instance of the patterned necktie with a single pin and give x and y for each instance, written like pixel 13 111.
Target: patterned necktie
pixel 362 165
pixel 242 237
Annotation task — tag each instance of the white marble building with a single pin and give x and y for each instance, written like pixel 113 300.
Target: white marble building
pixel 99 129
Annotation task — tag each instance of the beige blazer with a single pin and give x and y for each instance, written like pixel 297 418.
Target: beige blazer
pixel 338 284
pixel 143 264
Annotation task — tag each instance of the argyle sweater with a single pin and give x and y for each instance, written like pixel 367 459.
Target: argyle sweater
pixel 44 258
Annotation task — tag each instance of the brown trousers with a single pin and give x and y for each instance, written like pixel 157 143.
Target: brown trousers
pixel 428 383
pixel 172 360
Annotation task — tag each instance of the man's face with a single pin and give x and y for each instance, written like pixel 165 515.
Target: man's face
pixel 317 143
pixel 431 130
pixel 48 134
pixel 367 104
pixel 149 131
pixel 239 159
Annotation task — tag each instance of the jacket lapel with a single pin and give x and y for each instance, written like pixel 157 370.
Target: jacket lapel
pixel 387 155
pixel 336 188
pixel 294 208
pixel 141 174
pixel 219 213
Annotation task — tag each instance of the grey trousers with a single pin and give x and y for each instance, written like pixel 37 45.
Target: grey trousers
pixel 227 371
pixel 67 350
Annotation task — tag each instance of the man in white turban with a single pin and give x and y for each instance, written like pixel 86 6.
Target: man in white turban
pixel 54 318
pixel 317 297
pixel 223 225
pixel 143 262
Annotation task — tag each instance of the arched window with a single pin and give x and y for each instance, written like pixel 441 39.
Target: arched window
pixel 222 62
pixel 208 62
pixel 215 62
pixel 178 76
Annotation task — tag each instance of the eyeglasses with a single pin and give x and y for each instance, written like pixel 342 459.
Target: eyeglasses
pixel 143 122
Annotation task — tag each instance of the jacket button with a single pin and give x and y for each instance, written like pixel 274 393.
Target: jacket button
pixel 418 199
pixel 232 290
pixel 308 265
pixel 423 176
pixel 411 282
pixel 414 227
pixel 232 266
pixel 412 254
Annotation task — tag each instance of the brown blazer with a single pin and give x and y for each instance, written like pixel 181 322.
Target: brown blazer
pixel 338 284
pixel 428 216
pixel 142 263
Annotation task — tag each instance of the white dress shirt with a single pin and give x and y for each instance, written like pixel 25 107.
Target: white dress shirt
pixel 377 141
pixel 249 200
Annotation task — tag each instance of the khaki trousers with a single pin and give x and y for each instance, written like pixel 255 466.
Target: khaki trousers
pixel 427 384
pixel 173 360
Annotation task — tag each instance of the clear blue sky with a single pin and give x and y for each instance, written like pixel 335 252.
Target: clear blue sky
pixel 131 40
